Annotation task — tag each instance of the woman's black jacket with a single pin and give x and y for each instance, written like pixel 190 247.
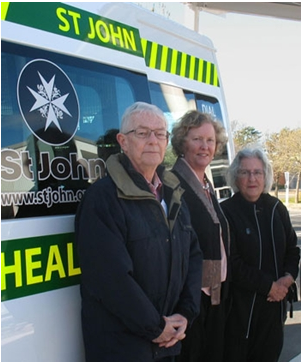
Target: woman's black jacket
pixel 263 246
pixel 209 232
pixel 137 264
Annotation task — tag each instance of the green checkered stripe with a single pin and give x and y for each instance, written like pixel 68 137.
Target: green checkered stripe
pixel 170 60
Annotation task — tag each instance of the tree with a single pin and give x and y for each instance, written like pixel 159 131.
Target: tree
pixel 245 136
pixel 273 149
pixel 291 140
pixel 284 151
pixel 170 158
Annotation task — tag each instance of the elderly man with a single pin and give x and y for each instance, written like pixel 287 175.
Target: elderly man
pixel 139 257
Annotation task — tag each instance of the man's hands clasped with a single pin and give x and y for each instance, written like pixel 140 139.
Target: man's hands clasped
pixel 173 332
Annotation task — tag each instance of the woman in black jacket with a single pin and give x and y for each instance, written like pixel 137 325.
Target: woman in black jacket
pixel 265 260
pixel 196 139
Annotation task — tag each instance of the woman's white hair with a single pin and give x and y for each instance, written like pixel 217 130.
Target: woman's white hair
pixel 233 170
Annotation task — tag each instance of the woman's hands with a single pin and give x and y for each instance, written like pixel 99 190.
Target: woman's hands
pixel 279 289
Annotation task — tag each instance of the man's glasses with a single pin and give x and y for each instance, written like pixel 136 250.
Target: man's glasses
pixel 144 133
pixel 245 173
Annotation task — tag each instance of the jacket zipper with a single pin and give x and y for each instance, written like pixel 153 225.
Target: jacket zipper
pixel 274 251
pixel 260 264
pixel 260 261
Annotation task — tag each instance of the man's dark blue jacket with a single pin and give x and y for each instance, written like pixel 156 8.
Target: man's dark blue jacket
pixel 138 264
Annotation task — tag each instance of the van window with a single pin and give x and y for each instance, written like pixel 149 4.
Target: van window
pixel 60 116
pixel 173 101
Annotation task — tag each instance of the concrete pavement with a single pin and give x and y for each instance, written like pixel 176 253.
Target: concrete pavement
pixel 292 336
pixel 292 332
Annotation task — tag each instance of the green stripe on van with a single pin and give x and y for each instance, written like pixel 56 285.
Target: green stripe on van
pixel 71 22
pixel 38 264
pixel 4 9
pixel 173 61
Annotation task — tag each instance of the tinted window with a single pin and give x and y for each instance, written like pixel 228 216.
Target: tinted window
pixel 78 104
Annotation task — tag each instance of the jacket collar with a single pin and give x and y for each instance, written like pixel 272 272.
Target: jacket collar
pixel 264 199
pixel 128 182
pixel 182 168
pixel 132 184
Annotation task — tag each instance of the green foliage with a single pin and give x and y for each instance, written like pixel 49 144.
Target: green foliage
pixel 284 152
pixel 246 137
pixel 170 158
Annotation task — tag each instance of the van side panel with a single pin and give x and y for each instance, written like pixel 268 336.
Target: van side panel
pixel 68 72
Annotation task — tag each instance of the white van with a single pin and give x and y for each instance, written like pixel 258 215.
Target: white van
pixel 68 72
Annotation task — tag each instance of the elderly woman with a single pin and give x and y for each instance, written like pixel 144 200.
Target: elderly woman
pixel 265 258
pixel 195 140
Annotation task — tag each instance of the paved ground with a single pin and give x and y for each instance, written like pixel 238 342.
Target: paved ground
pixel 292 334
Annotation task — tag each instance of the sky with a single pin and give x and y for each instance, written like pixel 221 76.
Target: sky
pixel 259 63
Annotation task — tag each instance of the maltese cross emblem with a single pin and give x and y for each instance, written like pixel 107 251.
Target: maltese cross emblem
pixel 48 102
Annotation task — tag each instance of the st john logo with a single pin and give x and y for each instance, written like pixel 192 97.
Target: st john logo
pixel 48 102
